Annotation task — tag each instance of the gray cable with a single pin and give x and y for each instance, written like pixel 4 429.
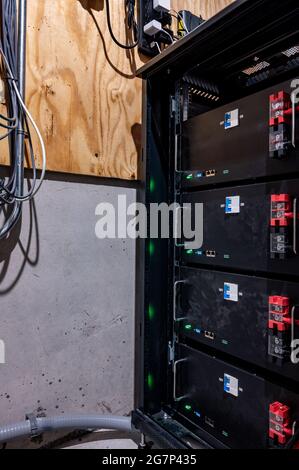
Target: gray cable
pixel 56 423
pixel 17 61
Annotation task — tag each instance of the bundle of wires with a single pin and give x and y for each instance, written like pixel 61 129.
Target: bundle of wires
pixel 132 24
pixel 180 18
pixel 16 123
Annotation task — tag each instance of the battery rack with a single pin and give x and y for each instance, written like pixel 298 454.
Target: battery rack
pixel 215 323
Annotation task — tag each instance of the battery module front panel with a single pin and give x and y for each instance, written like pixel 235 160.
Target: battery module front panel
pixel 252 318
pixel 252 228
pixel 253 137
pixel 240 409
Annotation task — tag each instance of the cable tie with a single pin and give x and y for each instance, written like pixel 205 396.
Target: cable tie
pixel 22 132
pixel 33 424
pixel 13 79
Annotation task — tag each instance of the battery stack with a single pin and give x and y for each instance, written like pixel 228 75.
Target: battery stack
pixel 217 323
pixel 236 301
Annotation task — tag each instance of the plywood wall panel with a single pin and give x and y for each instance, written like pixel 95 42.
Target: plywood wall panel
pixel 205 8
pixel 81 87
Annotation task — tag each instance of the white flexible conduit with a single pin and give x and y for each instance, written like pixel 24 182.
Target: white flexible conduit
pixel 72 422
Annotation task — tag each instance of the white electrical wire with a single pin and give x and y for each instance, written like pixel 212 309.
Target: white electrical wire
pixel 34 125
pixel 158 47
pixel 42 144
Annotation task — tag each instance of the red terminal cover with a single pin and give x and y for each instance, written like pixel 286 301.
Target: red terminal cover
pixel 281 214
pixel 279 310
pixel 279 426
pixel 280 107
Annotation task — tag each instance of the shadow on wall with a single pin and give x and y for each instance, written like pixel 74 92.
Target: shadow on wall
pixel 13 240
pixel 97 5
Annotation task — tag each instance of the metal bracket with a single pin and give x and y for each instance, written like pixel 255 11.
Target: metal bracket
pixel 173 105
pixel 170 352
pixel 293 323
pixel 295 226
pixel 175 287
pixel 176 143
pixel 293 119
pixel 176 222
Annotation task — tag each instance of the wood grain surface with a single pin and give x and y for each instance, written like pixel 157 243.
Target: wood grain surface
pixel 81 87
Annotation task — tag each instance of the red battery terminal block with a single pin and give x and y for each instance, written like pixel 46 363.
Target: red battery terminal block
pixel 281 206
pixel 280 108
pixel 279 312
pixel 279 427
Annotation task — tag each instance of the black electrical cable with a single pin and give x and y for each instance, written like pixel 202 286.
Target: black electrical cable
pixel 132 24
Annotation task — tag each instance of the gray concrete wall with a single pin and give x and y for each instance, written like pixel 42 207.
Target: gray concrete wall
pixel 67 308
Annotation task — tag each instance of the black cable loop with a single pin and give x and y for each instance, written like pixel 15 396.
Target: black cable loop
pixel 130 5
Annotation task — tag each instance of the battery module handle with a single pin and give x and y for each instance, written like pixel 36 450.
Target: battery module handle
pixel 293 98
pixel 175 294
pixel 295 225
pixel 176 154
pixel 176 226
pixel 294 322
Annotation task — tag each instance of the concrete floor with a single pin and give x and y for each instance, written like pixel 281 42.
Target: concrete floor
pixel 104 440
pixel 109 444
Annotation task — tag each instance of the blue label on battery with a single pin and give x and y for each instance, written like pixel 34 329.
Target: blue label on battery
pixel 227 120
pixel 228 205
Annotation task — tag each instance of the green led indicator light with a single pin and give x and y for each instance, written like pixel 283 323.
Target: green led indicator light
pixel 225 172
pixel 151 248
pixel 224 342
pixel 189 177
pixel 151 312
pixel 189 252
pixel 224 433
pixel 188 407
pixel 226 256
pixel 150 381
pixel 188 327
pixel 152 185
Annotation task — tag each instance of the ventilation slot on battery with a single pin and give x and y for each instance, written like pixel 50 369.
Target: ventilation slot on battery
pixel 202 88
pixel 256 68
pixel 270 66
pixel 291 52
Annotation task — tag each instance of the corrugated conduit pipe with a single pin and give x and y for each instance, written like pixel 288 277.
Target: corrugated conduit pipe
pixel 35 426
